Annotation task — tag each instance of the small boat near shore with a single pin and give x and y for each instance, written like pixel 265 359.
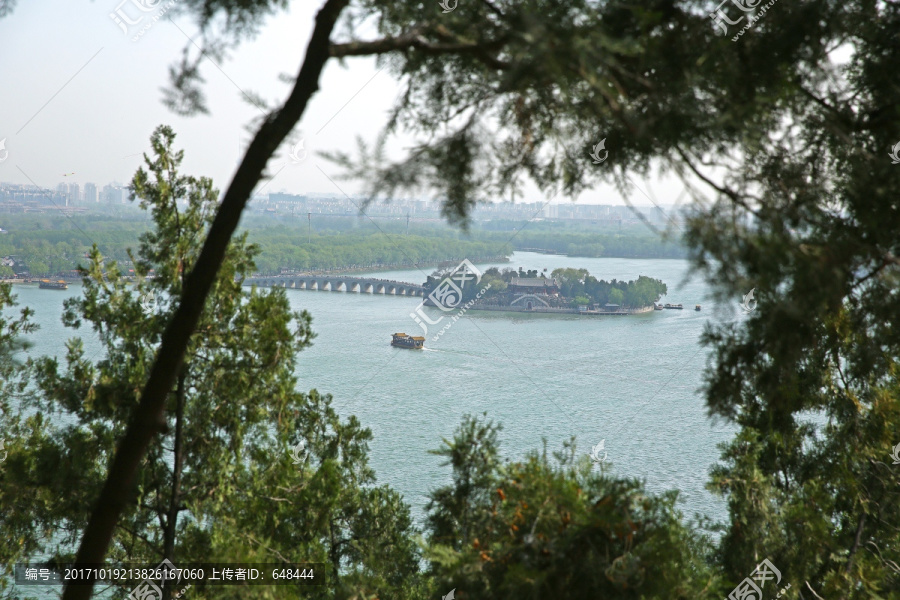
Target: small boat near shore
pixel 401 340
pixel 674 306
pixel 46 284
pixel 657 307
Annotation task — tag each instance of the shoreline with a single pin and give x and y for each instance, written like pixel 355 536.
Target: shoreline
pixel 564 311
pixel 349 270
pixel 362 269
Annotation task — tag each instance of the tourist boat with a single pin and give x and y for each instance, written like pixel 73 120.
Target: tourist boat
pixel 697 308
pixel 46 284
pixel 657 306
pixel 401 340
pixel 675 306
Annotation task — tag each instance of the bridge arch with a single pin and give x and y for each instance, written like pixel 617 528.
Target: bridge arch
pixel 362 285
pixel 530 301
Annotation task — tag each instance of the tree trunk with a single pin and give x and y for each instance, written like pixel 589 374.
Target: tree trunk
pixel 175 499
pixel 148 418
pixel 334 554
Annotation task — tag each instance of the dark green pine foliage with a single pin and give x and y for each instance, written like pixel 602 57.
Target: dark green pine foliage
pixel 222 483
pixel 809 218
pixel 542 527
pixel 789 129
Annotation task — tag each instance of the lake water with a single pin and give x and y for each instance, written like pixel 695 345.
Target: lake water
pixel 631 380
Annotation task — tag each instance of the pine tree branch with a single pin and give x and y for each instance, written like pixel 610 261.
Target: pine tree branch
pixel 415 39
pixel 814 592
pixel 732 195
pixel 856 539
pixel 149 419
pixel 171 526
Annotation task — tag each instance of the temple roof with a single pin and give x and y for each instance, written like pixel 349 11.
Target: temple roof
pixel 538 282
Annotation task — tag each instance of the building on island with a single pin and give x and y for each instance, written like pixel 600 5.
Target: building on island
pixel 534 285
pixel 533 293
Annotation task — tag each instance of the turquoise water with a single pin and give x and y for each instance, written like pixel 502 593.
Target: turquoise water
pixel 632 380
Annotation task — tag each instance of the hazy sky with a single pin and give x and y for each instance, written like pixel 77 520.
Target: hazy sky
pixel 80 96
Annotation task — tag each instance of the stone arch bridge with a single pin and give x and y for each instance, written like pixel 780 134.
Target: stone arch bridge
pixel 363 285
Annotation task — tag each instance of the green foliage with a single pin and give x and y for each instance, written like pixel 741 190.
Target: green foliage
pixel 808 218
pixel 534 529
pixel 37 267
pixel 286 248
pixel 220 484
pixel 584 240
pixel 49 245
pixel 797 117
pixel 576 283
pixel 326 509
pixel 14 379
pixel 541 82
pixel 13 374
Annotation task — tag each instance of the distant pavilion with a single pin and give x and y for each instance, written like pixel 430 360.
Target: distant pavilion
pixel 538 285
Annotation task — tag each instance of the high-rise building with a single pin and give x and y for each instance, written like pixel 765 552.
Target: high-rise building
pixel 62 191
pixel 90 193
pixel 112 194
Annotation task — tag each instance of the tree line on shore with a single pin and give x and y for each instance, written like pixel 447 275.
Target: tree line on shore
pixel 786 142
pixel 577 287
pixel 252 469
pixel 44 251
pixel 599 244
pixel 45 245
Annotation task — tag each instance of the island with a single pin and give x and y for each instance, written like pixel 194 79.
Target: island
pixel 567 291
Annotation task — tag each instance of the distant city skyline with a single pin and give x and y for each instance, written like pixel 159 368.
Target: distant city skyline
pixel 82 99
pixel 115 192
pixel 68 198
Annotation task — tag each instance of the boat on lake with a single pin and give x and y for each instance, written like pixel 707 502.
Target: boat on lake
pixel 657 307
pixel 697 308
pixel 675 306
pixel 46 284
pixel 401 340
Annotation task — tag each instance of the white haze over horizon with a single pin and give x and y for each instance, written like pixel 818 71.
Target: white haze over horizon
pixel 80 97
